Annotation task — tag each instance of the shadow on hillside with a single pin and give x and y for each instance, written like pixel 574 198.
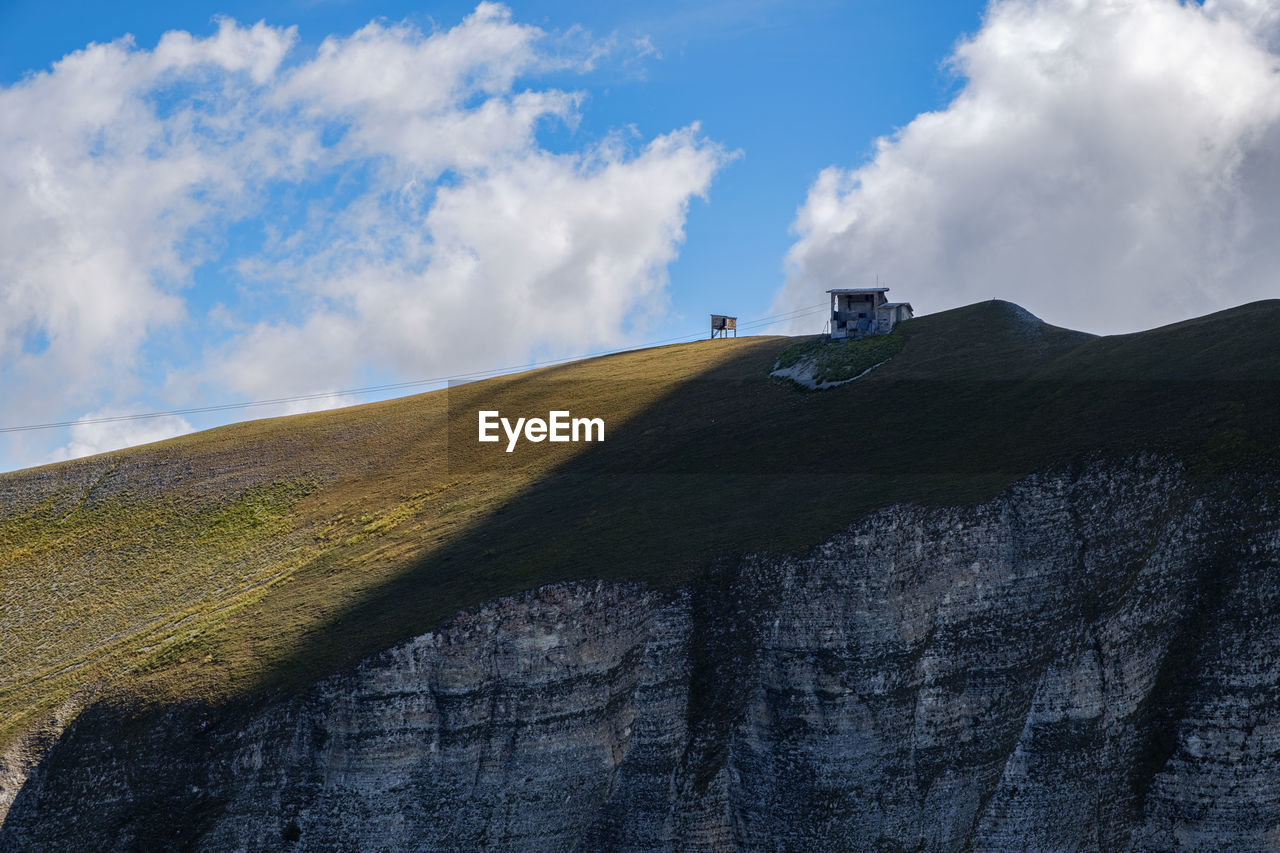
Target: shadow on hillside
pixel 727 463
pixel 732 462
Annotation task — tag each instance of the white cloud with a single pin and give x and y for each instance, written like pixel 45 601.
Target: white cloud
pixel 96 432
pixel 100 193
pixel 519 250
pixel 429 103
pixel 553 251
pixel 429 230
pixel 1109 164
pixel 1261 17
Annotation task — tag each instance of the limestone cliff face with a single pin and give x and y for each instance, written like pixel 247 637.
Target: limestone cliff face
pixel 1089 662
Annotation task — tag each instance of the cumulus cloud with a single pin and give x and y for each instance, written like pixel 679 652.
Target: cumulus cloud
pixel 519 249
pixel 406 220
pixel 100 193
pixel 1109 164
pixel 550 251
pixel 113 429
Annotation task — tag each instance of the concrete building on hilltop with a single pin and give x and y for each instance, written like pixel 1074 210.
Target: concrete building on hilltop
pixel 860 311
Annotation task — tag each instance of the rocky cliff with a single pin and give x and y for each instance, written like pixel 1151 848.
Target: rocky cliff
pixel 1090 661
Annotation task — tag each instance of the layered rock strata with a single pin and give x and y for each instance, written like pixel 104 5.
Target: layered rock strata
pixel 1091 661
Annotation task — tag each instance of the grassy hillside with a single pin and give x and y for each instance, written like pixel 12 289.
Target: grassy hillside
pixel 260 556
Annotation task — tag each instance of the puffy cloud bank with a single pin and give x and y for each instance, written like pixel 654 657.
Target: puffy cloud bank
pixel 1109 164
pixel 382 206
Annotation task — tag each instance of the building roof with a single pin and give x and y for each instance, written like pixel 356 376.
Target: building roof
pixel 859 290
pixel 896 305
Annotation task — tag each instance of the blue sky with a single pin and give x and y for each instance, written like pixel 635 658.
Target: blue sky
pixel 794 87
pixel 319 202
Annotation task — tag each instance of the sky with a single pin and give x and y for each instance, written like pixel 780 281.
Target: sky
pixel 208 204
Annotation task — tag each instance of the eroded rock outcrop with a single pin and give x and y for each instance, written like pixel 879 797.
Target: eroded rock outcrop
pixel 1090 661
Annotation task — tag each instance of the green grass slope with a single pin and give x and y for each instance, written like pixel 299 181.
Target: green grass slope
pixel 257 557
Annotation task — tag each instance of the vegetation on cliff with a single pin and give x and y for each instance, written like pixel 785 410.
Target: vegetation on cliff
pixel 825 361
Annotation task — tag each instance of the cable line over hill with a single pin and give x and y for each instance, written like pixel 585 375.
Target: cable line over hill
pixel 395 386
